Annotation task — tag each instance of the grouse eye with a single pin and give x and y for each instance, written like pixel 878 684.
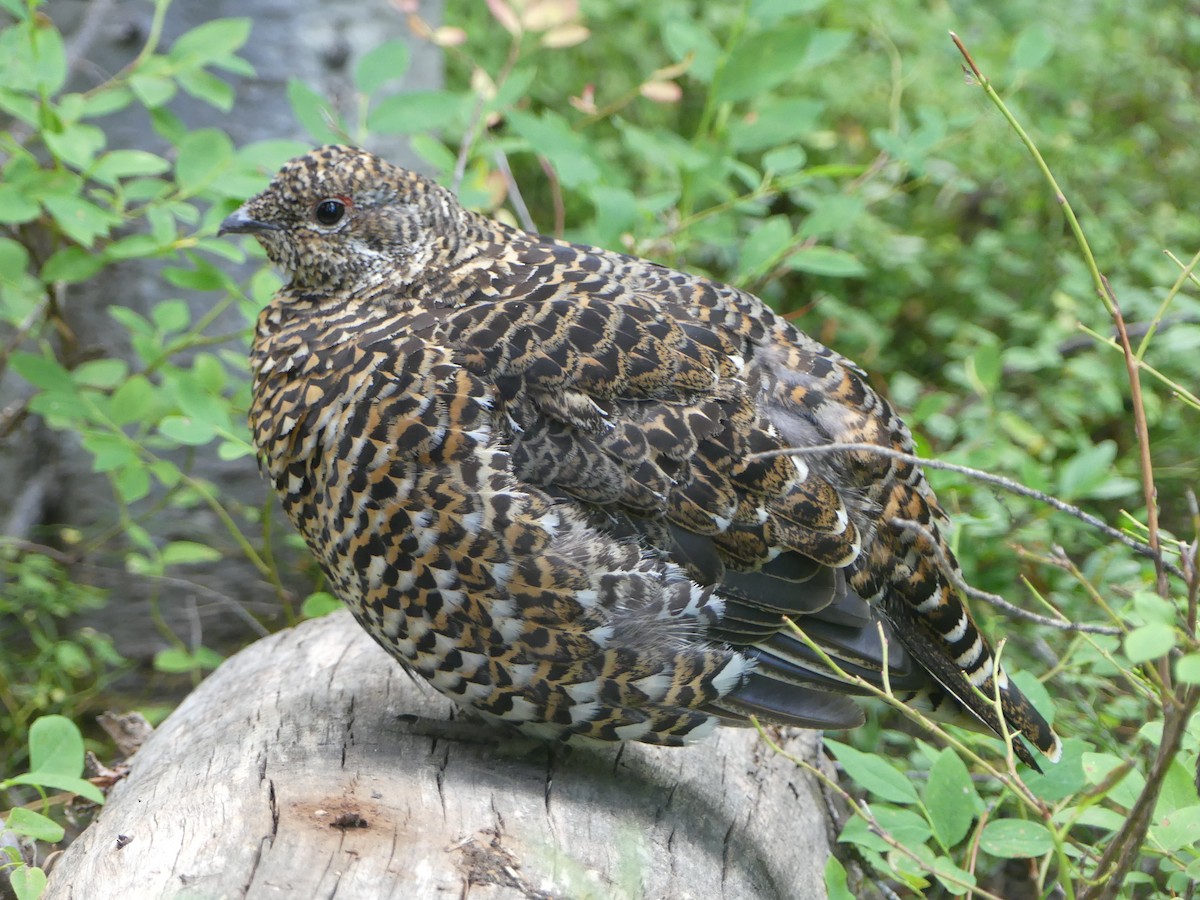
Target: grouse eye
pixel 330 212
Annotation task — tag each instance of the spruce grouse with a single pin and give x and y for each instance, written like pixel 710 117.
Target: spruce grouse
pixel 530 469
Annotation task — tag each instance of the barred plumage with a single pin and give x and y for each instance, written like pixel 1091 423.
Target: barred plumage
pixel 528 468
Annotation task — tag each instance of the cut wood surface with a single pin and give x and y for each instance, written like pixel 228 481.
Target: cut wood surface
pixel 300 769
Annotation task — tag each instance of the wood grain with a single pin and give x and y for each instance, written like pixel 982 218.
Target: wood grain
pixel 310 765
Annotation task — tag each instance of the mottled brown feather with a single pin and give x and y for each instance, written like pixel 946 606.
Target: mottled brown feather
pixel 525 465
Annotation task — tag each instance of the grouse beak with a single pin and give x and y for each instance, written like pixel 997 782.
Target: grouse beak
pixel 238 222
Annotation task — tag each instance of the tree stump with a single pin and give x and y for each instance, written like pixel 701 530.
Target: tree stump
pixel 300 769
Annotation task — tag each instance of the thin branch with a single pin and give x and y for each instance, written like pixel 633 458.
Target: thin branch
pixel 94 16
pixel 514 191
pixel 863 811
pixel 1105 291
pixel 1000 481
pixel 1191 565
pixel 71 561
pixel 560 210
pixel 1142 431
pixel 1119 855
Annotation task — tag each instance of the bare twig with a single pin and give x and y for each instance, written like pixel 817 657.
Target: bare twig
pixel 72 561
pixel 560 211
pixel 1013 487
pixel 1191 565
pixel 1119 855
pixel 863 811
pixel 96 13
pixel 477 117
pixel 1142 431
pixel 514 191
pixel 1105 291
pixel 1177 702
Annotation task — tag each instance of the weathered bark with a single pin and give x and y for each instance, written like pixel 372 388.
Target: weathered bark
pixel 240 792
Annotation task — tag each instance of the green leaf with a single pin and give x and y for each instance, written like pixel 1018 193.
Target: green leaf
pixel 171 315
pixel 177 661
pixel 28 882
pixel 197 402
pixel 14 260
pixel 763 248
pixel 49 56
pixel 1153 608
pixel 55 747
pixel 415 111
pixel 983 368
pixel 825 46
pixel 956 880
pixel 1178 789
pixel 174 661
pixel 784 160
pixel 186 430
pixel 102 374
pixel 775 123
pixel 1149 642
pixel 106 100
pixel 229 450
pixel 75 785
pixel 1187 669
pixel 110 452
pixel 385 63
pixel 20 106
pixel 1033 47
pixel 35 825
pixel 857 831
pixel 319 604
pixel 769 12
pixel 761 61
pixel 135 246
pixel 874 773
pixel 204 85
pixel 151 90
pixel 905 825
pixel 831 216
pixel 950 799
pixel 826 261
pixel 43 372
pixel 80 220
pixel 207 658
pixel 134 323
pixel 1015 839
pixel 514 89
pixel 766 59
pixel 1081 475
pixel 15 207
pixel 1099 817
pixel 313 112
pixel 76 145
pixel 210 41
pixel 1177 829
pixel 187 553
pixel 72 659
pixel 550 136
pixel 836 883
pixel 684 35
pixel 203 155
pixel 71 265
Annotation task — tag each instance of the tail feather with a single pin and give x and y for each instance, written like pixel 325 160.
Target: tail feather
pixel 938 631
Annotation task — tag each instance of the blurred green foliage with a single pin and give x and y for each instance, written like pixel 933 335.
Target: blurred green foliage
pixel 830 157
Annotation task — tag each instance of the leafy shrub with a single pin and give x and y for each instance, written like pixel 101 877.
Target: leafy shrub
pixel 830 158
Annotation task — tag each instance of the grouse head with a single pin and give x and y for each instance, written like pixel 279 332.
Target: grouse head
pixel 338 219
